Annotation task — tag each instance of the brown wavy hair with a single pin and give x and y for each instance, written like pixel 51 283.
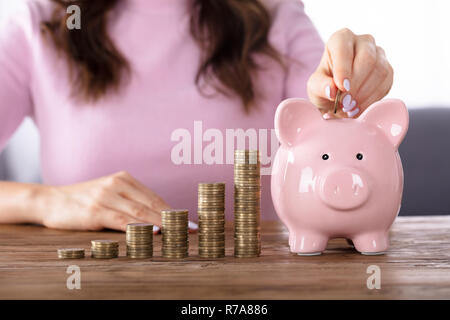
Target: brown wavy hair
pixel 230 33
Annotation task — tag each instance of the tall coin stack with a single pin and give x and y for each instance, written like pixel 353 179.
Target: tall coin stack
pixel 247 203
pixel 175 237
pixel 211 219
pixel 104 249
pixel 139 240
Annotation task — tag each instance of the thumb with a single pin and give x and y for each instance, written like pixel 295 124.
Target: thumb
pixel 321 90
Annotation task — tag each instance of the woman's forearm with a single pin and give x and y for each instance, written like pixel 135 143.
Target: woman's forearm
pixel 21 202
pixel 111 202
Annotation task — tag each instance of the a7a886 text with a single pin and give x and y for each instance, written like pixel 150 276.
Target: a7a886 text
pixel 228 309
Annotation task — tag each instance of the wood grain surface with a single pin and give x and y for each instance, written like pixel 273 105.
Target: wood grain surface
pixel 417 265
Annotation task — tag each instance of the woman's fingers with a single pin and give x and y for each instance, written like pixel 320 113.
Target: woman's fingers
pixel 133 189
pixel 363 66
pixel 365 61
pixel 321 90
pixel 378 83
pixel 124 197
pixel 348 104
pixel 340 51
pixel 138 201
pixel 354 65
pixel 334 71
pixel 140 212
pixel 322 86
pixel 112 219
pixel 384 88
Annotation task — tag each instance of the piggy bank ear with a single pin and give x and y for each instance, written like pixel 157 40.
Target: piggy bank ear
pixel 292 116
pixel 390 116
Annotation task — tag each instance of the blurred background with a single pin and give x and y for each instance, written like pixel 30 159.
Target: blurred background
pixel 415 37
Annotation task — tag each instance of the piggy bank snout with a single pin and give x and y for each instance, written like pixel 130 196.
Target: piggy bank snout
pixel 344 189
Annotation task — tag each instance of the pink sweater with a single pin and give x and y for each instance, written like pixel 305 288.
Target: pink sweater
pixel 159 128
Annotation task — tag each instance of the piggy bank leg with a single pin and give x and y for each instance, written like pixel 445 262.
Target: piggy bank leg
pixel 372 243
pixel 307 243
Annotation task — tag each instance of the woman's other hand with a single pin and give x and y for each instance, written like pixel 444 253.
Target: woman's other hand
pixel 355 65
pixel 110 202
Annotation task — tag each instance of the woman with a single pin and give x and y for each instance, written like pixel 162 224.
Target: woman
pixel 123 104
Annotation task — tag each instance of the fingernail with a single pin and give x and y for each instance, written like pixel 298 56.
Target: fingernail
pixel 328 92
pixel 156 229
pixel 326 116
pixel 193 225
pixel 346 102
pixel 350 106
pixel 352 113
pixel 346 84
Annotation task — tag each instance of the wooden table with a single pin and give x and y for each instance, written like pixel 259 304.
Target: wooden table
pixel 416 266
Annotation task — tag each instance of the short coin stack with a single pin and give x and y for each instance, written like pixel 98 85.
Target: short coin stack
pixel 139 240
pixel 104 249
pixel 175 237
pixel 247 203
pixel 211 218
pixel 71 253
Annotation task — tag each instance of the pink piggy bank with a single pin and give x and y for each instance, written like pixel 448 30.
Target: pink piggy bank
pixel 338 177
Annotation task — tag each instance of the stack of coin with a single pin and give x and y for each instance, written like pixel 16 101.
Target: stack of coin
pixel 247 203
pixel 71 253
pixel 211 219
pixel 104 249
pixel 139 240
pixel 175 239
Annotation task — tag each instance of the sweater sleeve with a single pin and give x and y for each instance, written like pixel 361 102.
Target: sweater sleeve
pixel 15 60
pixel 300 44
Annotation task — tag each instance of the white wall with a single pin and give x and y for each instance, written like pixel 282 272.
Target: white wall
pixel 414 34
pixel 8 6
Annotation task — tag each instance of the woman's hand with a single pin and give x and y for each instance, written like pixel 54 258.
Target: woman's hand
pixel 109 202
pixel 355 65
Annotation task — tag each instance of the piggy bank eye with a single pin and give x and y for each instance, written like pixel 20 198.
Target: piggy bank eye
pixel 325 157
pixel 359 156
